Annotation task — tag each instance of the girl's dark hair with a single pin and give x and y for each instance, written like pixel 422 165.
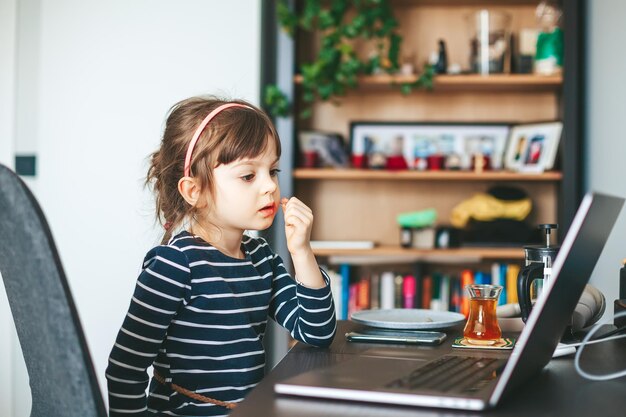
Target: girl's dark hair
pixel 234 133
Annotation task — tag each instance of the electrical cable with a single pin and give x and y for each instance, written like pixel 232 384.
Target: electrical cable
pixel 587 341
pixel 612 332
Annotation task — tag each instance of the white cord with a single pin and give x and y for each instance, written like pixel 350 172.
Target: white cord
pixel 591 342
pixel 585 342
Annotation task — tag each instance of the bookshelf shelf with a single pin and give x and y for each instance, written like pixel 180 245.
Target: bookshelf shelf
pixel 450 255
pixel 456 3
pixel 466 82
pixel 364 174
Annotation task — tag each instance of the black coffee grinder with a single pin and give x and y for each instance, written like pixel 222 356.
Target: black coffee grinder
pixel 537 269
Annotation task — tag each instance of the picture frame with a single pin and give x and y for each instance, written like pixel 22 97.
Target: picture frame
pixel 328 147
pixel 372 142
pixel 533 147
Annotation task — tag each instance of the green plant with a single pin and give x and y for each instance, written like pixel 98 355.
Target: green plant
pixel 341 24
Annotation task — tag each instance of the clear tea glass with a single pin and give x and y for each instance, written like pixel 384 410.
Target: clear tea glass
pixel 482 323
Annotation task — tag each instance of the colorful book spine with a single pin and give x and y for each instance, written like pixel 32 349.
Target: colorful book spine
pixel 335 289
pixel 436 303
pixel 467 278
pixel 386 290
pixel 511 283
pixel 495 280
pixel 427 291
pixel 456 295
pixel 397 291
pixel 408 291
pixel 419 277
pixel 444 293
pixel 375 291
pixel 352 300
pixel 495 274
pixel 344 271
pixel 478 277
pixel 502 282
pixel 363 294
pixel 482 278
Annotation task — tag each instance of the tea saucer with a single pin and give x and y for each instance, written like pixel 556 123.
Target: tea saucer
pixel 408 318
pixel 506 343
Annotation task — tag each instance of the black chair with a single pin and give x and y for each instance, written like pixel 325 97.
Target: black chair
pixel 60 370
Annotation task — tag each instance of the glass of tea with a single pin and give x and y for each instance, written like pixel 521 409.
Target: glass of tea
pixel 482 324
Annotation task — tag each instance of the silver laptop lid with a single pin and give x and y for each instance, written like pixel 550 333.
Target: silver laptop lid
pixel 571 271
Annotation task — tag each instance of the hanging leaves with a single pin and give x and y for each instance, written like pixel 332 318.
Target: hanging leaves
pixel 337 66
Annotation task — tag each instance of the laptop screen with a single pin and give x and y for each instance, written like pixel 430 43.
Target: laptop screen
pixel 571 271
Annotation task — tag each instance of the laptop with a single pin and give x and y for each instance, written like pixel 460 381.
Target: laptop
pixel 482 377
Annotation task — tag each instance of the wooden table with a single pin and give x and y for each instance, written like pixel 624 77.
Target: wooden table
pixel 557 391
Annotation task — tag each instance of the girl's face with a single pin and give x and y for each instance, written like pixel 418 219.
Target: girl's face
pixel 247 196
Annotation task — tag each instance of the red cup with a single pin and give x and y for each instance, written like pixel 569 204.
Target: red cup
pixel 396 163
pixel 486 163
pixel 435 162
pixel 310 159
pixel 359 161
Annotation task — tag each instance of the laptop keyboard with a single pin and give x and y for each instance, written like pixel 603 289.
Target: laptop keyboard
pixel 452 374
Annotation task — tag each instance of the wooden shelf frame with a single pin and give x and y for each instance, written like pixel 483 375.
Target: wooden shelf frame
pixel 384 175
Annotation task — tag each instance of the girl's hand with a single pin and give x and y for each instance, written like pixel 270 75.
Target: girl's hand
pixel 298 224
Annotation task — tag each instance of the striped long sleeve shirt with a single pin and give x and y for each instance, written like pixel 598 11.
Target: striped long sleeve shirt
pixel 198 317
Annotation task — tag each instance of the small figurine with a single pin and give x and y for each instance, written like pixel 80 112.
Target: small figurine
pixel 549 54
pixel 377 160
pixel 408 66
pixel 420 163
pixel 441 66
pixel 453 161
pixel 479 162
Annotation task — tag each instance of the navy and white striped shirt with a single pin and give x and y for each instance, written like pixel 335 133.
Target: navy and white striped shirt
pixel 199 316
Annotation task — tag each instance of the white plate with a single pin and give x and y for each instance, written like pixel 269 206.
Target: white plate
pixel 408 318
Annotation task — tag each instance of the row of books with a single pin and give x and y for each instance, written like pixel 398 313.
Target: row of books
pixel 435 291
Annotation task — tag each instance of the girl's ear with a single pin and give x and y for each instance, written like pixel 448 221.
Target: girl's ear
pixel 190 190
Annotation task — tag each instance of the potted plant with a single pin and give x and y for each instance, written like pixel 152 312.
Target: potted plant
pixel 337 66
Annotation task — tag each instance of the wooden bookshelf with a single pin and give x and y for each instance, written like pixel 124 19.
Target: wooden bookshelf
pixel 362 204
pixel 384 175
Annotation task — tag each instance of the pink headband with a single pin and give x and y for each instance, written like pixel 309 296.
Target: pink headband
pixel 199 130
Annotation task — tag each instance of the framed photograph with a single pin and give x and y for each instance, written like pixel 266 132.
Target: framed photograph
pixel 372 144
pixel 328 148
pixel 533 147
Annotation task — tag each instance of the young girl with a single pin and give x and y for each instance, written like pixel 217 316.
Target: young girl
pixel 202 300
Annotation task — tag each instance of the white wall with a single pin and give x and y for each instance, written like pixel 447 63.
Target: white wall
pixel 606 136
pixel 7 79
pixel 106 72
pixel 10 362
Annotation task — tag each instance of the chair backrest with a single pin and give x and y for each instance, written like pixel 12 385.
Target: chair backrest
pixel 61 374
